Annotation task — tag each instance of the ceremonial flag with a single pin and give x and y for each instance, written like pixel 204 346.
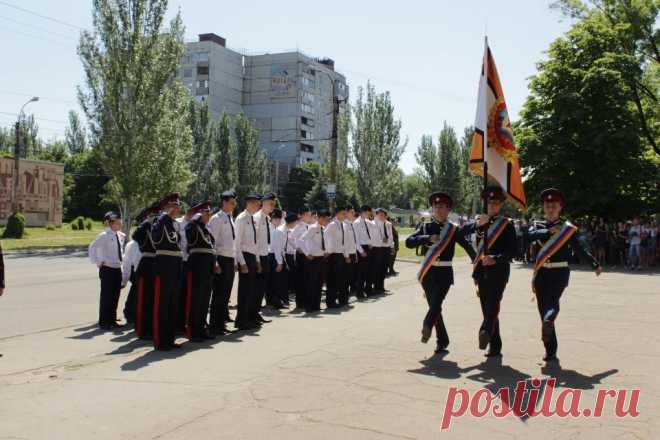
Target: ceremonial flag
pixel 493 147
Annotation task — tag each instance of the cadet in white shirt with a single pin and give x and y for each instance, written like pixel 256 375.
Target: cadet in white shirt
pixel 353 248
pixel 382 244
pixel 335 242
pixel 129 266
pixel 276 260
pixel 106 253
pixel 365 231
pixel 181 224
pixel 313 246
pixel 291 221
pixel 248 262
pixel 224 232
pixel 305 219
pixel 262 222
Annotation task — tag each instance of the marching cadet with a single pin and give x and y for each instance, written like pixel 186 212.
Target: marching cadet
pixel 300 274
pixel 352 247
pixel 438 239
pixel 382 246
pixel 291 222
pixel 276 261
pixel 491 266
pixel 313 246
pixel 181 223
pixel 262 222
pixel 364 230
pixel 128 269
pixel 146 272
pixel 551 272
pixel 199 279
pixel 222 228
pixel 106 253
pixel 246 248
pixel 335 243
pixel 166 239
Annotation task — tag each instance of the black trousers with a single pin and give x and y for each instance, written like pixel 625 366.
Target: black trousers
pixel 261 282
pixel 549 285
pixel 312 297
pixel 390 261
pixel 436 284
pixel 288 285
pixel 364 277
pixel 131 300
pixel 272 284
pixel 336 279
pixel 300 280
pixel 247 284
pixel 351 276
pixel 380 255
pixel 180 321
pixel 199 283
pixel 492 281
pixel 144 313
pixel 167 288
pixel 110 289
pixel 222 284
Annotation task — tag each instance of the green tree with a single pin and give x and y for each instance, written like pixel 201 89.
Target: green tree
pixel 201 159
pixel 469 201
pixel 135 106
pixel 225 174
pixel 439 166
pixel 75 135
pixel 250 157
pixel 578 130
pixel 376 146
pixel 301 179
pixel 83 176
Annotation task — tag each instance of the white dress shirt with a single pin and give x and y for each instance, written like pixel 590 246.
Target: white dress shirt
pixel 363 231
pixel 264 231
pixel 106 249
pixel 352 247
pixel 289 240
pixel 183 242
pixel 335 238
pixel 246 236
pixel 132 256
pixel 223 230
pixel 277 240
pixel 383 235
pixel 297 234
pixel 312 241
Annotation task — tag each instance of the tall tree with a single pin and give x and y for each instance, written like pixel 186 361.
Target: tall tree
pixel 250 157
pixel 439 166
pixel 75 136
pixel 301 179
pixel 201 159
pixel 578 130
pixel 376 146
pixel 471 185
pixel 225 175
pixel 134 103
pixel 31 145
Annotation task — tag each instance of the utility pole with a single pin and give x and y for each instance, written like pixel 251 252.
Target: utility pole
pixel 333 142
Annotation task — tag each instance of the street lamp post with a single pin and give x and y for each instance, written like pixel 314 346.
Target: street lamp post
pixel 17 157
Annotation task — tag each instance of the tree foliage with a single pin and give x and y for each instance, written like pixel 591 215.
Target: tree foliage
pixel 75 135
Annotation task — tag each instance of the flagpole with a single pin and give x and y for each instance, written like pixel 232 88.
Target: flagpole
pixel 485 155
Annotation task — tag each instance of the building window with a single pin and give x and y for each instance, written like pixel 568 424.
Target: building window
pixel 187 72
pixel 308 97
pixel 187 59
pixel 307 148
pixel 308 83
pixel 202 70
pixel 306 108
pixel 305 134
pixel 203 84
pixel 307 121
pixel 202 56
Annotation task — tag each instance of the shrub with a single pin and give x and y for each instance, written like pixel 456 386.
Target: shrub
pixel 74 226
pixel 88 224
pixel 80 222
pixel 50 227
pixel 15 226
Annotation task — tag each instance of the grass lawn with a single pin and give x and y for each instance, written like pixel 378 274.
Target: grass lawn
pixel 40 238
pixel 409 254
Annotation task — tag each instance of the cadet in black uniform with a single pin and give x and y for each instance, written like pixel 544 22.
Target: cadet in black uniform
pixel 146 273
pixel 440 275
pixel 201 266
pixel 551 271
pixel 168 273
pixel 491 269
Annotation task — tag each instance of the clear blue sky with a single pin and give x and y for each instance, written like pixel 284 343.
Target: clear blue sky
pixel 426 53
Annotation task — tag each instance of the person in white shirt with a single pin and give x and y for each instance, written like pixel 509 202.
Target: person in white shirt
pixel 382 243
pixel 275 286
pixel 223 230
pixel 365 231
pixel 246 249
pixel 305 219
pixel 352 247
pixel 129 266
pixel 288 287
pixel 335 241
pixel 181 224
pixel 313 246
pixel 262 222
pixel 107 254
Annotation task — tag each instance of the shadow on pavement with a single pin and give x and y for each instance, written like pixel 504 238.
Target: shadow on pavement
pixel 436 366
pixel 575 379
